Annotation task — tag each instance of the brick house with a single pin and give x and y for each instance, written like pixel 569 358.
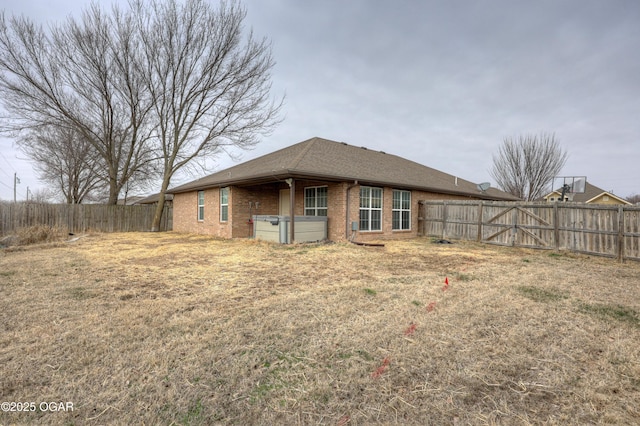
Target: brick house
pixel 358 192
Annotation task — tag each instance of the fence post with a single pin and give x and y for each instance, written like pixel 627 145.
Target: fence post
pixel 480 208
pixel 620 245
pixel 444 219
pixel 556 225
pixel 70 222
pixel 514 229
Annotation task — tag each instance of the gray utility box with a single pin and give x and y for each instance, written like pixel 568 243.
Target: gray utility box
pixel 276 228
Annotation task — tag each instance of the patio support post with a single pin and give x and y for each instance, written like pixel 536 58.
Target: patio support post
pixel 292 211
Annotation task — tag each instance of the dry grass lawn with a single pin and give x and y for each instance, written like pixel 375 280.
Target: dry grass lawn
pixel 167 328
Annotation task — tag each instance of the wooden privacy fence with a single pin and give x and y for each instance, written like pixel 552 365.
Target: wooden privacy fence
pixel 602 230
pixel 81 217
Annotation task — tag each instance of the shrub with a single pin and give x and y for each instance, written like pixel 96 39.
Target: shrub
pixel 37 234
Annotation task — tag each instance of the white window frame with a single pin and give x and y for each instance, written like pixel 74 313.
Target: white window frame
pixel 200 206
pixel 224 204
pixel 370 204
pixel 397 209
pixel 314 210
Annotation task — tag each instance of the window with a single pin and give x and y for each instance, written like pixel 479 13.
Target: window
pixel 315 201
pixel 401 210
pixel 224 204
pixel 200 205
pixel 370 208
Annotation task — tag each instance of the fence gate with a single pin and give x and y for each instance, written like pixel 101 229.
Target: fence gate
pixel 516 224
pixel 602 230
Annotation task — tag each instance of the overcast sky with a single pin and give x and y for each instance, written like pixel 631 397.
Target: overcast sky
pixel 442 83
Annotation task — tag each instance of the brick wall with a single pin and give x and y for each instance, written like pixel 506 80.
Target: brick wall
pixel 185 210
pixel 237 226
pixel 185 214
pixel 387 207
pixel 263 199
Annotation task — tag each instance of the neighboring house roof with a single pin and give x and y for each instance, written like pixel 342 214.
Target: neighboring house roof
pixel 153 198
pixel 591 194
pixel 322 159
pixel 133 199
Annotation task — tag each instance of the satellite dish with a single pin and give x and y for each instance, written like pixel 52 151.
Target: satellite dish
pixel 483 186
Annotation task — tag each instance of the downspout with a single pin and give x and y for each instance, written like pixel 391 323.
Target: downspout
pixel 347 221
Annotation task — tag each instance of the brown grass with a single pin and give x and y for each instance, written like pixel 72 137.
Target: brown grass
pixel 38 234
pixel 182 329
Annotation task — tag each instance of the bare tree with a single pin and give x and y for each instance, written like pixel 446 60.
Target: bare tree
pixel 524 166
pixel 42 196
pixel 79 74
pixel 633 198
pixel 157 87
pixel 65 160
pixel 209 88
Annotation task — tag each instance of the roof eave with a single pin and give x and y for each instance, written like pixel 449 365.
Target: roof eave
pixel 296 174
pixel 621 200
pixel 256 180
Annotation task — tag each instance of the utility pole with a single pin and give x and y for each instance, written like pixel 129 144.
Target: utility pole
pixel 16 180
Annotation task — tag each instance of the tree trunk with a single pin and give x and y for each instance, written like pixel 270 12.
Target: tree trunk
pixel 113 193
pixel 155 225
pixel 157 216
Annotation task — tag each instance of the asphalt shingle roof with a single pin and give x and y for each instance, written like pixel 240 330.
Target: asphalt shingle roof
pixel 323 159
pixel 590 192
